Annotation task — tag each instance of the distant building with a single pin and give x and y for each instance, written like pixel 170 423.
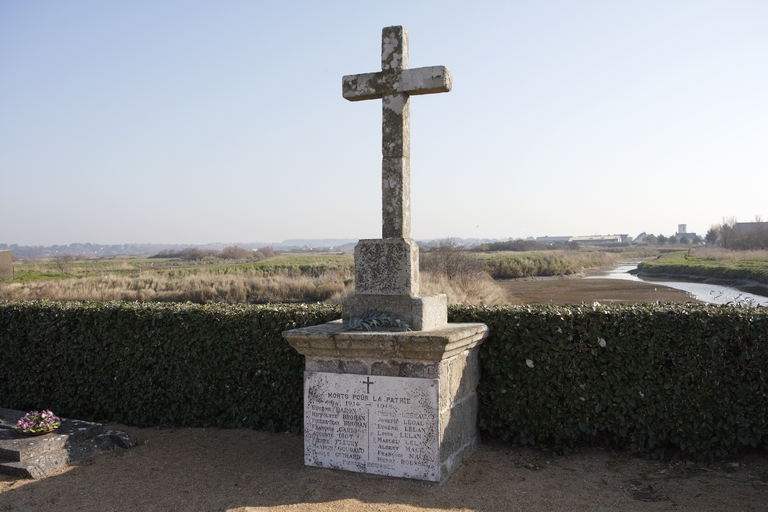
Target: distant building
pixel 745 235
pixel 598 239
pixel 6 264
pixel 751 227
pixel 589 240
pixel 682 231
pixel 550 240
pixel 639 239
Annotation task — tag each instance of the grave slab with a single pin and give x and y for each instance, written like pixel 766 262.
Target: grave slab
pixel 35 457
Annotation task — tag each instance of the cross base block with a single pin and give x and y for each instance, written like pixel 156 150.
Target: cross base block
pixel 387 266
pixel 420 313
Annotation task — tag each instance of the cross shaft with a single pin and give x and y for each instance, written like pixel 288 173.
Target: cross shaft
pixel 394 84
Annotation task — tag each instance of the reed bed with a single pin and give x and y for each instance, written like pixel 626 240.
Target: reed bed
pixel 149 286
pixel 721 253
pixel 466 289
pixel 200 288
pixel 550 263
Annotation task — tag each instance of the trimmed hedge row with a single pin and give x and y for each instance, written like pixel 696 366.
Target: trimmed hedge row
pixel 658 379
pixel 154 363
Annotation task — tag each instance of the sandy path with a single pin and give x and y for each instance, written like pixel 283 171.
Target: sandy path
pixel 245 470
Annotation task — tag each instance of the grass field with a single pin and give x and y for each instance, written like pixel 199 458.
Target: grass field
pixel 511 265
pixel 712 262
pixel 291 264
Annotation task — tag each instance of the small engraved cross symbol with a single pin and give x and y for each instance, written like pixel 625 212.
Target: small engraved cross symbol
pixel 368 383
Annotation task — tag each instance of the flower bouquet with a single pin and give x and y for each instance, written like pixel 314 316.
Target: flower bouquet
pixel 36 423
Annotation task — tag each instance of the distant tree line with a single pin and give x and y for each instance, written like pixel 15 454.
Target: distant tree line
pixel 682 238
pixel 512 245
pixel 740 236
pixel 87 250
pixel 228 253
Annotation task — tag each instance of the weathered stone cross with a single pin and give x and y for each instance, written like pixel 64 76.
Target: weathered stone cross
pixel 387 268
pixel 394 84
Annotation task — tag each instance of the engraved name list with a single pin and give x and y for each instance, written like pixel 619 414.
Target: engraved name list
pixel 372 424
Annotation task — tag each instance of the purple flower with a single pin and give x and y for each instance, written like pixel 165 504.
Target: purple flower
pixel 38 421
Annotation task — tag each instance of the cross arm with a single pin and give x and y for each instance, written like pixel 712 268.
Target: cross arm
pixel 368 86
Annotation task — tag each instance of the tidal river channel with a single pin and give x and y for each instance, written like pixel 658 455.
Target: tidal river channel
pixel 706 292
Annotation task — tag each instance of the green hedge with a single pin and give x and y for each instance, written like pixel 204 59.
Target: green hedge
pixel 148 364
pixel 657 379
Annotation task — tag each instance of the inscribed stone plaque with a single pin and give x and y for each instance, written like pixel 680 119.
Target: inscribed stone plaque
pixel 372 424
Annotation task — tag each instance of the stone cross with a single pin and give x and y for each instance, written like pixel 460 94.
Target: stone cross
pixel 387 268
pixel 394 84
pixel 425 378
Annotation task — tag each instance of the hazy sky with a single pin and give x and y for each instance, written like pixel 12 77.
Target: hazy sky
pixel 196 122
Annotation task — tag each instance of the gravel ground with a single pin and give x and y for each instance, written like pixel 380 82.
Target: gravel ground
pixel 244 470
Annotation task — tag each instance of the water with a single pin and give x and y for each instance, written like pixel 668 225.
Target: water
pixel 712 293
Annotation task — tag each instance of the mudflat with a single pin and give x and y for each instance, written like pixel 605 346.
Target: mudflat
pixel 575 289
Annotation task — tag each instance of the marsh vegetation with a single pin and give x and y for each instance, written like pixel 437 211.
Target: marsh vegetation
pixel 712 262
pixel 263 277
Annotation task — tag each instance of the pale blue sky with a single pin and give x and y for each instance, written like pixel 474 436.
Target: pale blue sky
pixel 197 122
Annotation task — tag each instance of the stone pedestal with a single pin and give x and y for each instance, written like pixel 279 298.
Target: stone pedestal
pixel 387 280
pixel 400 404
pixel 415 413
